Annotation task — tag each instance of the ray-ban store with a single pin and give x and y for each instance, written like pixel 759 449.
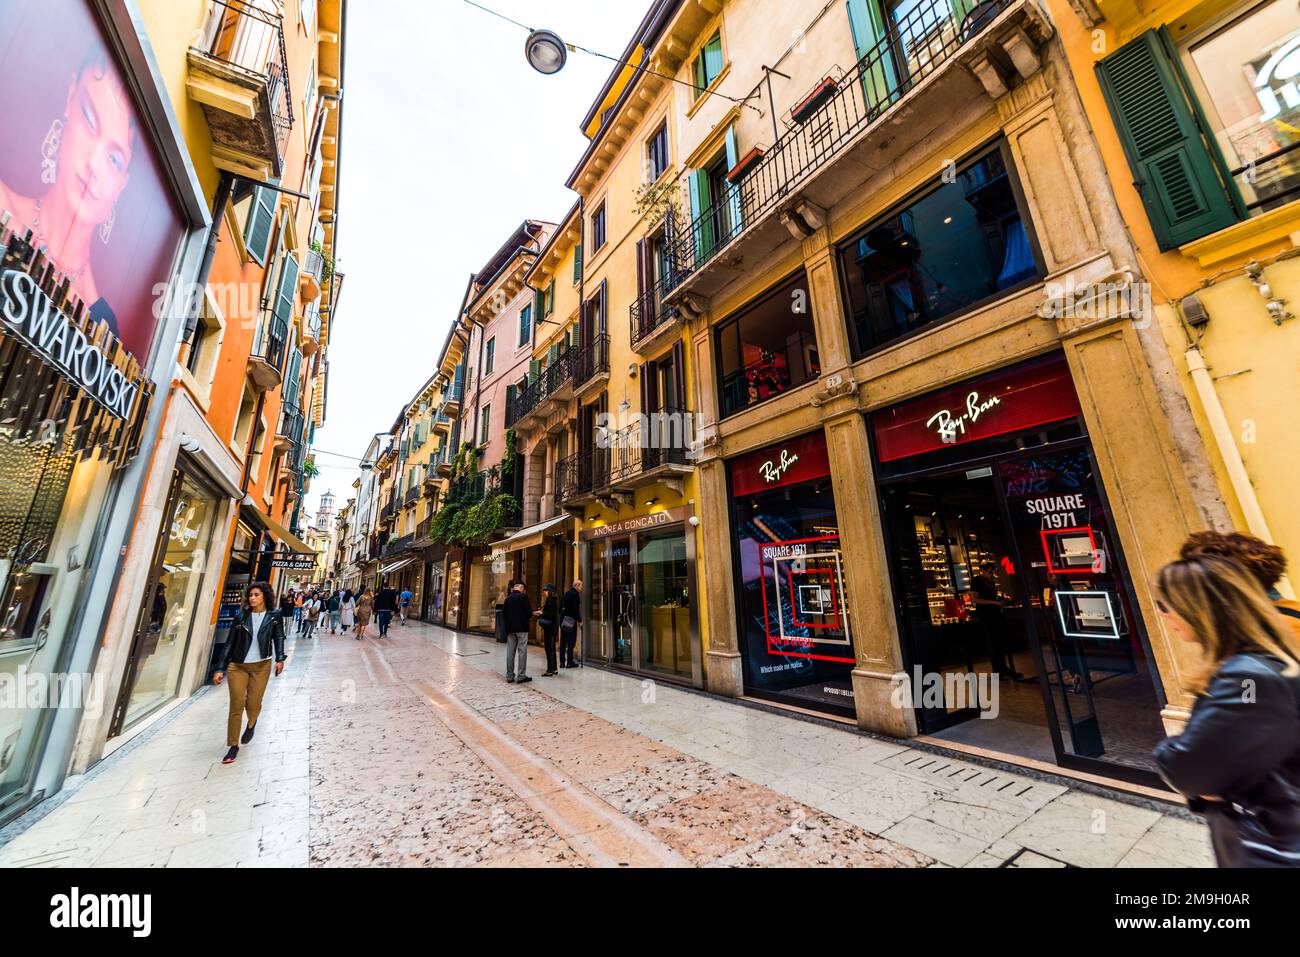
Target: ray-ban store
pixel 1019 623
pixel 97 211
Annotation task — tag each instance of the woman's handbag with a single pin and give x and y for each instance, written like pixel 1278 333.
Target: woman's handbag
pixel 546 623
pixel 568 623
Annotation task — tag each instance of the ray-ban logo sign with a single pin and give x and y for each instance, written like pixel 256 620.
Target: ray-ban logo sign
pixel 773 471
pixel 30 315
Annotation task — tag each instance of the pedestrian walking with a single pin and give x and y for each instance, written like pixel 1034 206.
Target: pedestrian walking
pixel 297 606
pixel 548 619
pixel 1266 562
pixel 311 612
pixel 406 597
pixel 347 611
pixel 287 606
pixel 385 607
pixel 570 622
pixel 246 665
pixel 333 605
pixel 517 615
pixel 365 606
pixel 1238 759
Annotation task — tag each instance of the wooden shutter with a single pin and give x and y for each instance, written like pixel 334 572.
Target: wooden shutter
pixel 712 57
pixel 287 290
pixel 577 264
pixel 534 370
pixel 552 353
pixel 679 375
pixel 701 222
pixel 261 218
pixel 539 304
pixel 1174 171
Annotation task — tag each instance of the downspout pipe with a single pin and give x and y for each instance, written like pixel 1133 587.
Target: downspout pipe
pixel 1256 524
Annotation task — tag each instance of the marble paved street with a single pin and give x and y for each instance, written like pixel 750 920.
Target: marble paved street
pixel 414 751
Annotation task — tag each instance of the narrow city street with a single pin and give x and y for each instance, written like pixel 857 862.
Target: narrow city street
pixel 414 751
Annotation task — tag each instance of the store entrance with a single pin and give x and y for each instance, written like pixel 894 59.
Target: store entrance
pixel 1017 620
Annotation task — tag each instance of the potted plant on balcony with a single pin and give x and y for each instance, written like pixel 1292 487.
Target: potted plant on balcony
pixel 745 164
pixel 820 94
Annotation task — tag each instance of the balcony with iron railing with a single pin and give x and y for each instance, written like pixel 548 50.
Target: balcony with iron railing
pixel 412 495
pixel 553 384
pixel 238 73
pixel 398 545
pixel 581 476
pixel 658 448
pixel 266 362
pixel 309 279
pixel 591 364
pixel 651 319
pixel 820 159
pixel 311 329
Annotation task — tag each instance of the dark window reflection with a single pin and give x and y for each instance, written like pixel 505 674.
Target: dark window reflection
pixel 959 244
pixel 769 348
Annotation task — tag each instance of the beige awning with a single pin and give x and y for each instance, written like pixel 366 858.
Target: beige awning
pixel 530 536
pixel 286 537
pixel 386 569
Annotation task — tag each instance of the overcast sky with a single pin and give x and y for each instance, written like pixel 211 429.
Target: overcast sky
pixel 449 141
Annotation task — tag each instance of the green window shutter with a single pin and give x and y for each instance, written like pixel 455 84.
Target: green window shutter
pixel 290 389
pixel 511 391
pixel 287 290
pixel 550 297
pixel 1174 171
pixel 525 324
pixel 552 354
pixel 539 303
pixel 534 370
pixel 712 57
pixel 702 225
pixel 577 264
pixel 257 231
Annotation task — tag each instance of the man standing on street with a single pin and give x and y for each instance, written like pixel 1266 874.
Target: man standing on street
pixel 516 615
pixel 570 621
pixel 406 603
pixel 385 606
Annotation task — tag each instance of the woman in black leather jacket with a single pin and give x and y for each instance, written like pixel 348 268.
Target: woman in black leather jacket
pixel 1238 759
pixel 255 638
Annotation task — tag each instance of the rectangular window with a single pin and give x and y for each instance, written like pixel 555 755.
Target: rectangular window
pixel 598 228
pixel 490 359
pixel 485 426
pixel 1244 76
pixel 769 348
pixel 549 297
pixel 657 153
pixel 525 325
pixel 708 64
pixel 949 248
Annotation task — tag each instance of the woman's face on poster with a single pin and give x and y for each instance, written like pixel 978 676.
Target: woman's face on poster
pixel 95 153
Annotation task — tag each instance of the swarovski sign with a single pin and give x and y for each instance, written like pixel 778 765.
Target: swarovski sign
pixel 29 313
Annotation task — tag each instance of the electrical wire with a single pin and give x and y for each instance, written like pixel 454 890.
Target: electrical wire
pixel 618 60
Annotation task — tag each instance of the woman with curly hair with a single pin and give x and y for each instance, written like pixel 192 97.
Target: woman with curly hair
pixel 1266 562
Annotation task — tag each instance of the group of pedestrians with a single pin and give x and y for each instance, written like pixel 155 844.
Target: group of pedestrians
pixel 558 619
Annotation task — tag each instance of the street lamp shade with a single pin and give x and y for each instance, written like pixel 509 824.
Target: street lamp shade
pixel 545 51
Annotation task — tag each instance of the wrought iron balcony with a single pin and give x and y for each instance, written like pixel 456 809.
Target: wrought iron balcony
pixel 591 363
pixel 397 545
pixel 412 495
pixel 656 449
pixel 266 363
pixel 239 76
pixel 828 123
pixel 580 476
pixel 651 319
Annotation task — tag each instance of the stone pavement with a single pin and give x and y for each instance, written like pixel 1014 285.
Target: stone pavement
pixel 415 751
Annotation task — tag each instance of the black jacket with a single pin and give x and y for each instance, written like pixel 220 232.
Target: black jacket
pixel 271 636
pixel 550 611
pixel 517 613
pixel 386 600
pixel 571 604
pixel 1238 762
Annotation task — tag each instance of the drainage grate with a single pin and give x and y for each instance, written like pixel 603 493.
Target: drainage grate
pixel 953 773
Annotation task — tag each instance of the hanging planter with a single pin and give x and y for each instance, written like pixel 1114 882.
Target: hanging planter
pixel 745 164
pixel 802 111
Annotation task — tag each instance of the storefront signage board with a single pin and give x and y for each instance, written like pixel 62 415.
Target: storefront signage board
pixel 640 523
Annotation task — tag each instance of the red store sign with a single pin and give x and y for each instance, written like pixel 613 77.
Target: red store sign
pixel 786 463
pixel 1015 399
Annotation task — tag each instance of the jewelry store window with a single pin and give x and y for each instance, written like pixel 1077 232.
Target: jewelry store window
pixel 962 241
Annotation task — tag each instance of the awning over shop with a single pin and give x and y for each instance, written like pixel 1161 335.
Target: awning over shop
pixel 530 536
pixel 395 566
pixel 286 537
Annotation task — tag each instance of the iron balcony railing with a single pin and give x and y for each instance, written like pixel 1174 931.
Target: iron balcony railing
pixel 388 510
pixel 422 530
pixel 582 473
pixel 648 312
pixel 412 494
pixel 662 438
pixel 914 46
pixel 313 264
pixel 398 545
pixel 549 381
pixel 312 320
pixel 242 34
pixel 591 360
pixel 272 334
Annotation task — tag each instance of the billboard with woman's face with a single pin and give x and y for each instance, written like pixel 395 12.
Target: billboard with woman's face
pixel 77 168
